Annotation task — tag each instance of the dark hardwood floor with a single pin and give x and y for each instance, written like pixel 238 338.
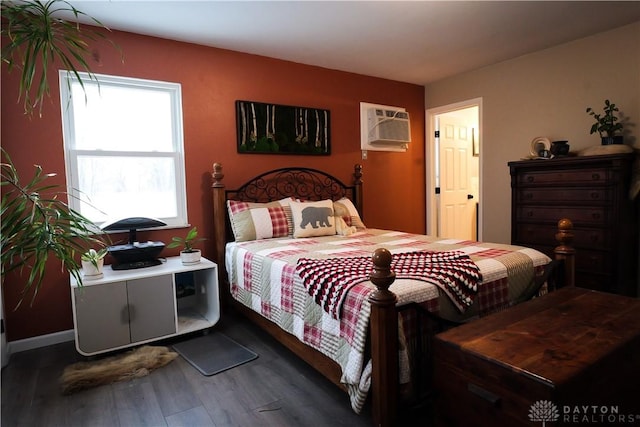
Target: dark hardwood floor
pixel 276 389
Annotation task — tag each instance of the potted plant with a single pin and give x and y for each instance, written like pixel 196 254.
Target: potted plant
pixel 189 255
pixel 606 124
pixel 92 263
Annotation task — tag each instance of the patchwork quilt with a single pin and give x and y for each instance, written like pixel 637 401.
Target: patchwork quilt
pixel 263 277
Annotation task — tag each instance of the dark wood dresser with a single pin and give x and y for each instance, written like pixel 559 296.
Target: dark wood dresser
pixel 592 191
pixel 567 358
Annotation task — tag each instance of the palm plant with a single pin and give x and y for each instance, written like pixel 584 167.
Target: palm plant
pixel 37 37
pixel 37 223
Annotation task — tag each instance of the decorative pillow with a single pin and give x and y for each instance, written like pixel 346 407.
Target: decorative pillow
pixel 255 221
pixel 342 228
pixel 313 218
pixel 346 209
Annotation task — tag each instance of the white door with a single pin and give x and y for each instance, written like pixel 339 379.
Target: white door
pixel 457 216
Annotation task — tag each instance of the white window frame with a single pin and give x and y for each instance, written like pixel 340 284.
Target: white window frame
pixel 67 78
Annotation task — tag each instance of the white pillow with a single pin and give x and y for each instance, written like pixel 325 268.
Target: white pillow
pixel 313 218
pixel 347 210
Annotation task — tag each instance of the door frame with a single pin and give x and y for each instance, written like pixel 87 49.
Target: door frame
pixel 430 156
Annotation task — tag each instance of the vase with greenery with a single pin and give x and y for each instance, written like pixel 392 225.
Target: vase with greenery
pixel 607 124
pixel 188 254
pixel 92 263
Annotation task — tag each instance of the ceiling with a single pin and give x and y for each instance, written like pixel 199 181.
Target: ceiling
pixel 409 41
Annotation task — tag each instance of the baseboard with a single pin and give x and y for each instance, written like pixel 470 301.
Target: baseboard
pixel 41 341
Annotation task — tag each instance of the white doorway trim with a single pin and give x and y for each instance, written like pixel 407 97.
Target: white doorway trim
pixel 430 155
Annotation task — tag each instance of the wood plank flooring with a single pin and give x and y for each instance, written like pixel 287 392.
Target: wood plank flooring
pixel 276 389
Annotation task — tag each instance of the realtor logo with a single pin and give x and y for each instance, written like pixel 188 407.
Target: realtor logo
pixel 543 410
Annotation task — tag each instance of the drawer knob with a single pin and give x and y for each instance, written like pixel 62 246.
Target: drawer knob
pixel 595 195
pixel 595 176
pixel 483 393
pixel 595 215
pixel 528 196
pixel 529 179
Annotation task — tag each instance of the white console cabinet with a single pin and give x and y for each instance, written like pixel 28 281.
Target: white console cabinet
pixel 131 307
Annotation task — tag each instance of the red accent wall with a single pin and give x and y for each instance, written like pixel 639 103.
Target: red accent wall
pixel 212 80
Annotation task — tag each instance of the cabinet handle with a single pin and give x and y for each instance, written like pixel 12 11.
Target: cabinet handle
pixel 483 393
pixel 124 314
pixel 529 214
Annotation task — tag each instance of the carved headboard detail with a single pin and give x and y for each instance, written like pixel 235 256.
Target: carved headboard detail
pixel 301 183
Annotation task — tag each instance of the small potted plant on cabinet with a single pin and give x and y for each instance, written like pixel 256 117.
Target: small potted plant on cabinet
pixel 92 263
pixel 189 255
pixel 606 124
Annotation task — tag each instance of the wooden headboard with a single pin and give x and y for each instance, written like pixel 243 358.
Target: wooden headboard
pixel 299 182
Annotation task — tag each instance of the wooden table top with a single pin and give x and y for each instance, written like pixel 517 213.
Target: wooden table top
pixel 554 337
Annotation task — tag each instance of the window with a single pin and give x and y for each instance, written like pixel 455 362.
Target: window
pixel 124 148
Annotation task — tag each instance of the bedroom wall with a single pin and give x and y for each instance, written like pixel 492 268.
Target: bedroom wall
pixel 544 94
pixel 212 80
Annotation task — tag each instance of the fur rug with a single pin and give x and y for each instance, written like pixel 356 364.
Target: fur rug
pixel 133 364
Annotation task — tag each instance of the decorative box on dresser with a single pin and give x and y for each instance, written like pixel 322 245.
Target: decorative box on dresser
pixel 593 191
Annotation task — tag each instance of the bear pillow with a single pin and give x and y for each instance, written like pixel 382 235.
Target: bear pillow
pixel 312 219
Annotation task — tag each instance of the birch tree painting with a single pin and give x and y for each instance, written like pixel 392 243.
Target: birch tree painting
pixel 282 129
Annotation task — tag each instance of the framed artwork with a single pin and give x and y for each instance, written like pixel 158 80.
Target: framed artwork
pixel 282 129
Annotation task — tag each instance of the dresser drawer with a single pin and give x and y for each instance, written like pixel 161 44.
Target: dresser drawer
pixel 580 216
pixel 597 176
pixel 593 261
pixel 598 282
pixel 590 238
pixel 565 195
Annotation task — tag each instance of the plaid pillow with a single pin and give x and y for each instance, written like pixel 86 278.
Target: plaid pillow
pixel 255 221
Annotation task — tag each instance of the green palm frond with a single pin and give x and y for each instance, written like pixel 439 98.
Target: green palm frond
pixel 36 223
pixel 37 37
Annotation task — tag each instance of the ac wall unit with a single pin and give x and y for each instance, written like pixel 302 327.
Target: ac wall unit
pixel 388 127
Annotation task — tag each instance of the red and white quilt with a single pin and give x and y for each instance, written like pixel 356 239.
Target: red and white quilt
pixel 263 277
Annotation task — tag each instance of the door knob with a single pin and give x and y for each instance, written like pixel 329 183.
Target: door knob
pixel 469 196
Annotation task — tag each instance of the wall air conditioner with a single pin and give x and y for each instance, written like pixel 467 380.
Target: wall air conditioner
pixel 388 127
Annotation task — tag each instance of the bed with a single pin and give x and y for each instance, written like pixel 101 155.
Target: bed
pixel 300 262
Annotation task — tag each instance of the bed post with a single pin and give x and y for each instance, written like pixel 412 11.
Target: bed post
pixel 565 252
pixel 219 225
pixel 357 191
pixel 384 341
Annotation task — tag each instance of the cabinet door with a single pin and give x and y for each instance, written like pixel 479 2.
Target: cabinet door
pixel 152 310
pixel 102 319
